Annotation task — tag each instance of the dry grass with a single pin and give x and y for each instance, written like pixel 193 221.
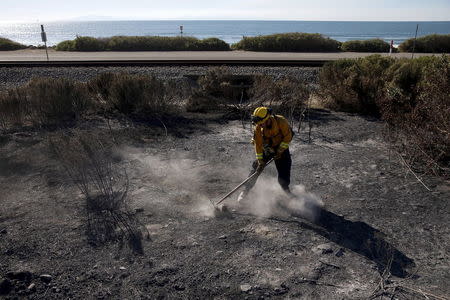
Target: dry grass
pixel 218 92
pixel 55 101
pixel 287 96
pixel 44 102
pixel 412 96
pixel 139 95
pixel 416 107
pixel 354 85
pixel 14 108
pixel 214 91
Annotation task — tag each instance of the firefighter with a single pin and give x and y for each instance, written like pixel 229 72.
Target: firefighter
pixel 271 137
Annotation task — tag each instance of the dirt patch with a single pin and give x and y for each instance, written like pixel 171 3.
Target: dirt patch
pixel 369 215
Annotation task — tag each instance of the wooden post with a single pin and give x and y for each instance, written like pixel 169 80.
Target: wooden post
pixel 415 38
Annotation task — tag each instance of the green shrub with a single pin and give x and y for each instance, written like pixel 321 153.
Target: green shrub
pixel 124 43
pixel 434 43
pixel 354 85
pixel 214 44
pixel 8 45
pixel 82 43
pixel 288 42
pixel 86 43
pixel 401 87
pixel 65 46
pixel 373 45
pixel 143 43
pixel 151 43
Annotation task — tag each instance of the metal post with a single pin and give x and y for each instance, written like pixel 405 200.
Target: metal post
pixel 181 30
pixel 415 38
pixel 44 39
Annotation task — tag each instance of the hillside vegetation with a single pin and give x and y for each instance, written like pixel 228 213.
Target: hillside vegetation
pixel 8 45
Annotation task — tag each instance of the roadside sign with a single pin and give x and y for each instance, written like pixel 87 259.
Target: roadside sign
pixel 43 34
pixel 44 39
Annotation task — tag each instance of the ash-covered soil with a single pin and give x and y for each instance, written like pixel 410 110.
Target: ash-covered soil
pixel 376 218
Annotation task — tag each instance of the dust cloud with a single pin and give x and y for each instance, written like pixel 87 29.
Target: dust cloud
pixel 267 199
pixel 181 178
pixel 198 183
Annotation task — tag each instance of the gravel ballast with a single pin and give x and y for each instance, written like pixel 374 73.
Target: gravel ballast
pixel 13 77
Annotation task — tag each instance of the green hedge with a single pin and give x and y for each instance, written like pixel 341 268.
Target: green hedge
pixel 288 42
pixel 434 43
pixel 142 43
pixel 7 45
pixel 373 45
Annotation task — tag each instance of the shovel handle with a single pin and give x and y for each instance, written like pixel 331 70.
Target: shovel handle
pixel 242 183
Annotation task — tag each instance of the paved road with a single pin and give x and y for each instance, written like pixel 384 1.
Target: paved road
pixel 39 55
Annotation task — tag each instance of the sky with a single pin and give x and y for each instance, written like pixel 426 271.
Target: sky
pixel 308 10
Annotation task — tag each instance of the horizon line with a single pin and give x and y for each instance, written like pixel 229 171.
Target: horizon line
pixel 208 20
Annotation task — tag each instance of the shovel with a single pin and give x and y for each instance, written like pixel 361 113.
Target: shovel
pixel 256 174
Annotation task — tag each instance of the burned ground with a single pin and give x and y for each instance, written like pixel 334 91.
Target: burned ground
pixel 375 217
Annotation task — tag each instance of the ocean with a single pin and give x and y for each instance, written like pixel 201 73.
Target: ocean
pixel 229 31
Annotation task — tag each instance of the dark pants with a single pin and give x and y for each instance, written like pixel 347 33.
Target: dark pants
pixel 283 167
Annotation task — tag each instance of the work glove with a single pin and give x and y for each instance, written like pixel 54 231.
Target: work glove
pixel 261 165
pixel 278 154
pixel 268 151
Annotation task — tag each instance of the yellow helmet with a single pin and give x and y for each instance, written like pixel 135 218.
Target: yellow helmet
pixel 260 115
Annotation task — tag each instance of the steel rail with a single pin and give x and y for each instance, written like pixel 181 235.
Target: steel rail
pixel 143 63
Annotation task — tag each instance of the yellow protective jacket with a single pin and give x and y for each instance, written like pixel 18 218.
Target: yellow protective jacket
pixel 279 135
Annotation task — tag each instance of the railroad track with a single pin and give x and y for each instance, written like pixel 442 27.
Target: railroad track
pixel 124 63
